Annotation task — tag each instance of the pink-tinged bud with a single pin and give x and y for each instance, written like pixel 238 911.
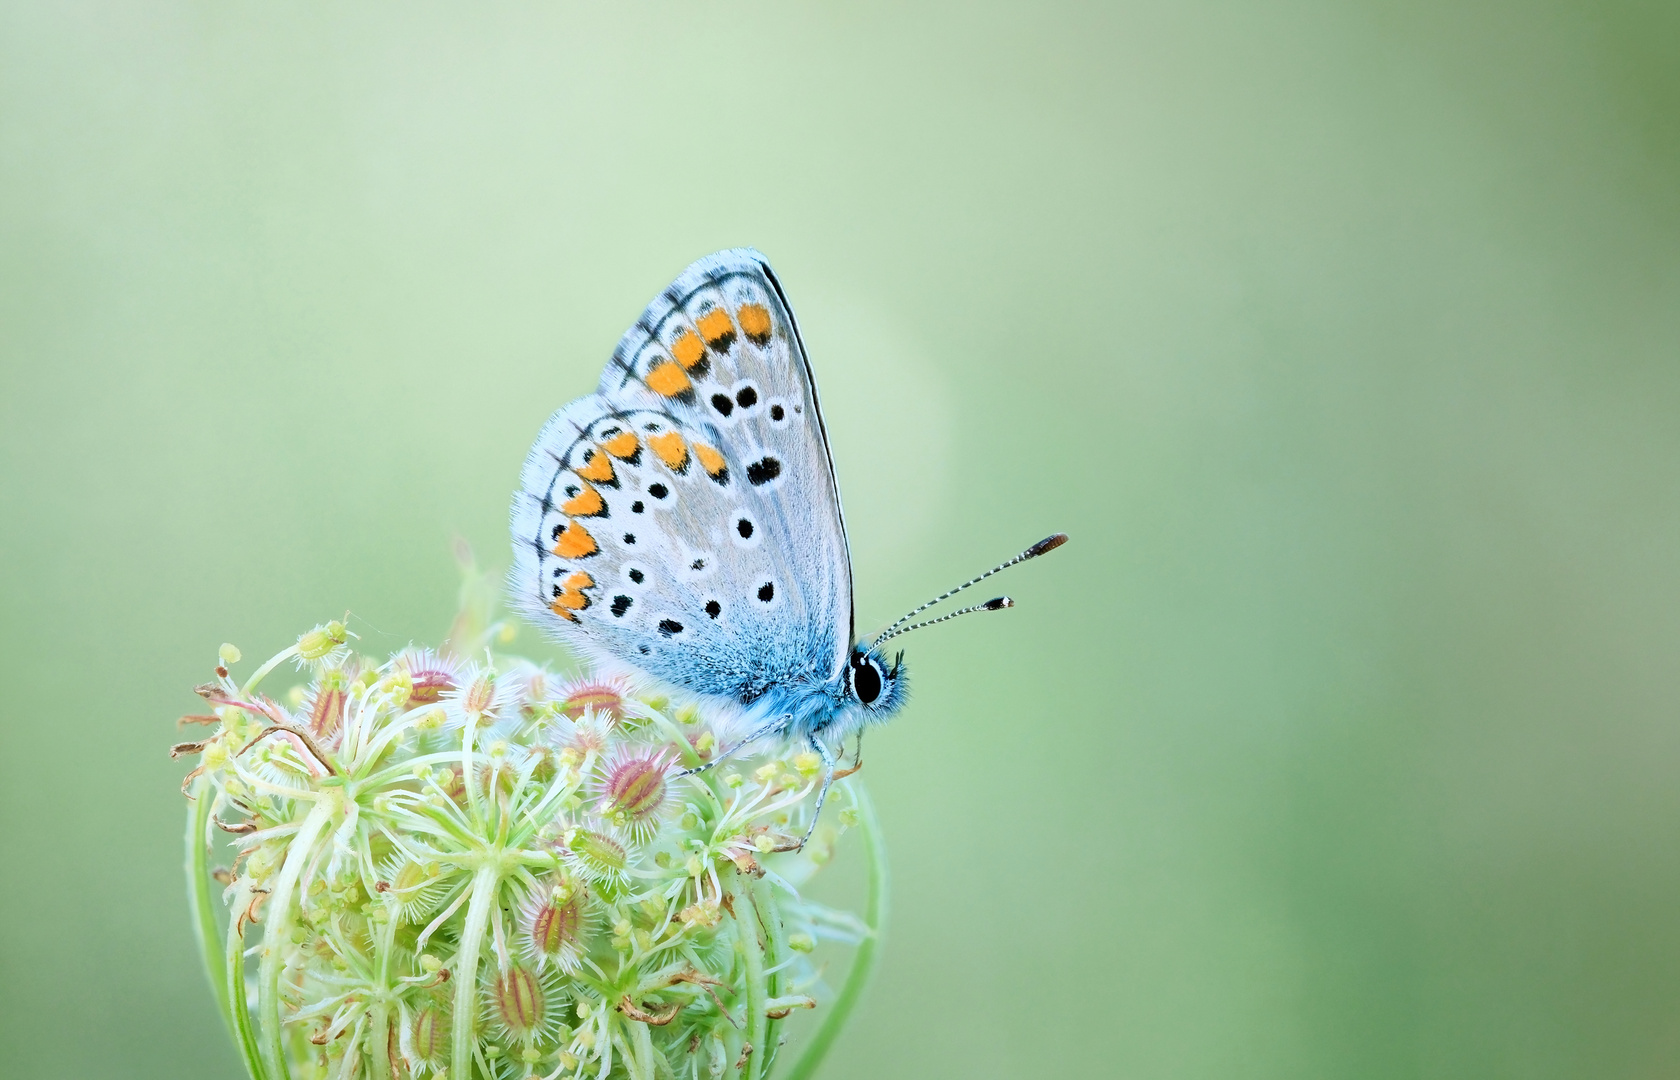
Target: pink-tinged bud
pixel 598 855
pixel 429 1036
pixel 450 781
pixel 519 1001
pixel 480 696
pixel 431 675
pixel 633 789
pixel 325 705
pixel 588 736
pixel 607 697
pixel 554 926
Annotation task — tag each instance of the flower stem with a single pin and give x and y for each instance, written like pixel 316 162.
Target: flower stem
pixel 863 964
pixel 257 675
pixel 775 952
pixel 747 931
pixel 198 893
pixel 461 1043
pixel 278 926
pixel 234 988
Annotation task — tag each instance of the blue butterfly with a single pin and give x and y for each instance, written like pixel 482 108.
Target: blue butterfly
pixel 684 520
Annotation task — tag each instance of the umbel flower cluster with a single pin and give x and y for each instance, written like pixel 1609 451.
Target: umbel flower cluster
pixel 458 865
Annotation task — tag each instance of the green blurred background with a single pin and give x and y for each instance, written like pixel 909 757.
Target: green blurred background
pixel 1343 338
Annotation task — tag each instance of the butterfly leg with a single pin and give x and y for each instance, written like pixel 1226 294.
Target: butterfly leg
pixel 769 727
pixel 829 764
pixel 857 759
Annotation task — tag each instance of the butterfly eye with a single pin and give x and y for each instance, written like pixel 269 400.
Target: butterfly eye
pixel 866 682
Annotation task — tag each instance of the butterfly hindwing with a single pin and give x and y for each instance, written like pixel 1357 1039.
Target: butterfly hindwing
pixel 685 519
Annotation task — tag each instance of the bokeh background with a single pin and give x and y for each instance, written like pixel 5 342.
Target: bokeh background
pixel 1343 338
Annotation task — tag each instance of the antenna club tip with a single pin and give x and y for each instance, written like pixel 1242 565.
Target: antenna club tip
pixel 998 603
pixel 1049 543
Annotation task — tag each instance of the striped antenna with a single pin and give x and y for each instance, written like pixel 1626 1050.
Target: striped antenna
pixel 995 604
pixel 1049 543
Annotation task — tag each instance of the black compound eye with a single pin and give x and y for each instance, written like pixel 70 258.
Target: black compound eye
pixel 866 682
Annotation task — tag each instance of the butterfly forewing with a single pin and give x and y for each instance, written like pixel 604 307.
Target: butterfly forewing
pixel 685 519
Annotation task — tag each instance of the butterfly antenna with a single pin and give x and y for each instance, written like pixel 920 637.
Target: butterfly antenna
pixel 1049 543
pixel 995 604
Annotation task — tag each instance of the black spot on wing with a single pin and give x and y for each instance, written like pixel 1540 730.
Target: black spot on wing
pixel 764 470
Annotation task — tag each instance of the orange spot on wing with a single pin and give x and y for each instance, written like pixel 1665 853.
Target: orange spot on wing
pixel 588 503
pixel 571 597
pixel 622 445
pixel 755 322
pixel 716 328
pixel 669 380
pixel 575 542
pixel 671 448
pixel 710 459
pixel 688 351
pixel 596 467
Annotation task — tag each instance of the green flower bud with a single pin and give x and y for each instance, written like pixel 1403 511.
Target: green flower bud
pixel 321 640
pixel 429 1036
pixel 521 1006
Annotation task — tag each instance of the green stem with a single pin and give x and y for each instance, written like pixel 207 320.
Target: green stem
pixel 379 1041
pixel 257 676
pixel 380 1045
pixel 747 931
pixel 690 757
pixel 863 964
pixel 775 951
pixel 468 781
pixel 245 1039
pixel 279 925
pixel 643 1045
pixel 210 949
pixel 461 1042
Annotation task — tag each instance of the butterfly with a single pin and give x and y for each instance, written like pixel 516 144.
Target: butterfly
pixel 684 520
